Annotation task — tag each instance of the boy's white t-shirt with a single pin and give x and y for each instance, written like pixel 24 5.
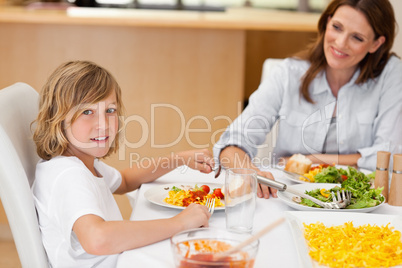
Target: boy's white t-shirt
pixel 64 190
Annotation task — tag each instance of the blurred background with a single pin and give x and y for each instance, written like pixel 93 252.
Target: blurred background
pixel 312 5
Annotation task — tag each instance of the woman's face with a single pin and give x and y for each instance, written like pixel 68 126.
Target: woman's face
pixel 94 130
pixel 348 38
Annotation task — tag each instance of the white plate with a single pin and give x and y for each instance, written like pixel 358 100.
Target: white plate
pixel 297 218
pixel 287 197
pixel 157 194
pixel 285 176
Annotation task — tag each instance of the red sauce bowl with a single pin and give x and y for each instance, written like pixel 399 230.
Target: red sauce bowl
pixel 196 248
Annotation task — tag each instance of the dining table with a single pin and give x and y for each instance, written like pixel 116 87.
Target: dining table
pixel 276 249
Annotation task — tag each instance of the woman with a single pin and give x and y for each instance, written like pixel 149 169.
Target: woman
pixel 339 101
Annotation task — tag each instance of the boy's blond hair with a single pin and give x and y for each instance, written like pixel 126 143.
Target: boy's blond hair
pixel 72 84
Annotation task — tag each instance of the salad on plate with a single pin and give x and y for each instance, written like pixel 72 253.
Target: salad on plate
pixel 351 179
pixel 332 174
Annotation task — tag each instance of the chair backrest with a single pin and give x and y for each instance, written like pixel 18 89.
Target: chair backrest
pixel 268 65
pixel 18 158
pixel 270 141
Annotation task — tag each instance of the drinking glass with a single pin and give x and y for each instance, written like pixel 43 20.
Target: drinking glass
pixel 240 199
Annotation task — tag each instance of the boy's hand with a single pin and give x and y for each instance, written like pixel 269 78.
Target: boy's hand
pixel 201 160
pixel 194 216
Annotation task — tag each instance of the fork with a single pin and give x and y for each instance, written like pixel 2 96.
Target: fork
pixel 211 205
pixel 340 201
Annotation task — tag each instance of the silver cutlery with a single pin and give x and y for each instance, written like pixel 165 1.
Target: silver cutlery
pixel 210 204
pixel 292 174
pixel 339 201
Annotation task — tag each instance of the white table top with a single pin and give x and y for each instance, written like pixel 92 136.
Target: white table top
pixel 277 248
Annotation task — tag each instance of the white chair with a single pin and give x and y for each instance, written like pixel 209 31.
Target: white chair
pixel 270 141
pixel 18 158
pixel 268 65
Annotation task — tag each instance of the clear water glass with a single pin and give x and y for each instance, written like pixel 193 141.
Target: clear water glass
pixel 240 199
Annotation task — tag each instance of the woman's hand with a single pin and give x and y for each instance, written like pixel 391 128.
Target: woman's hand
pixel 231 156
pixel 264 191
pixel 194 216
pixel 201 160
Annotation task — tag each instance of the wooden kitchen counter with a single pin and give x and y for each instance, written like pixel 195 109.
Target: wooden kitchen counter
pixel 232 18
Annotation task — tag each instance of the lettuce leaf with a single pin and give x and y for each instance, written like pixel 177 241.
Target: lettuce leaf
pixel 328 175
pixel 359 184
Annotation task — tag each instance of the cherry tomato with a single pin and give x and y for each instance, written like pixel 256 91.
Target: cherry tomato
pixel 326 165
pixel 205 188
pixel 218 193
pixel 344 177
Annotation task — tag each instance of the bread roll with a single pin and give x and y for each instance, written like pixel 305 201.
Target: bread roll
pixel 299 164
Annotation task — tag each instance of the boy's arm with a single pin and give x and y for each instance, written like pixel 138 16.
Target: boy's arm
pixel 151 169
pixel 100 237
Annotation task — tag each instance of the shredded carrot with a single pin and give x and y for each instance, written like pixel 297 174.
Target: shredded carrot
pixel 347 246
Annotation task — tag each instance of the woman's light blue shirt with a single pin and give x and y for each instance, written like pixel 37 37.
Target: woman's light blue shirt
pixel 369 115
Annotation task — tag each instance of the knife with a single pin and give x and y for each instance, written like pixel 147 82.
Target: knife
pixel 292 174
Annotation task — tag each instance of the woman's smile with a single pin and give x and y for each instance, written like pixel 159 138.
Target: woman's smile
pixel 338 53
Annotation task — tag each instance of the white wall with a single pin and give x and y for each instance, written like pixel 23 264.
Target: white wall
pixel 397 4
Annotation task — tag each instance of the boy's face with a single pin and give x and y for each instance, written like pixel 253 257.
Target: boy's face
pixel 94 130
